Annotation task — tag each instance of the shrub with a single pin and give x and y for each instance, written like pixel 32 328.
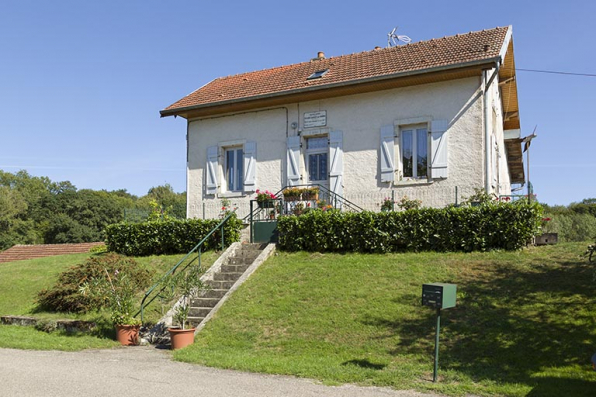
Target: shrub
pixel 571 226
pixel 171 236
pixel 492 225
pixel 65 295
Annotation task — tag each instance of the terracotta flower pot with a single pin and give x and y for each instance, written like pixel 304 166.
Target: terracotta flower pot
pixel 181 337
pixel 128 335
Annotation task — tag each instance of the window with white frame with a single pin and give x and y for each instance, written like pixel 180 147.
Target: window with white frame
pixel 317 152
pixel 414 151
pixel 234 169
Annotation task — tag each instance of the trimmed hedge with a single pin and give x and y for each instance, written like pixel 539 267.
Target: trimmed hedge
pixel 489 226
pixel 169 237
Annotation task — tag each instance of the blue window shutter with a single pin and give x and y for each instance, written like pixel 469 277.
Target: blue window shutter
pixel 438 149
pixel 212 170
pixel 293 161
pixel 250 166
pixel 387 153
pixel 336 163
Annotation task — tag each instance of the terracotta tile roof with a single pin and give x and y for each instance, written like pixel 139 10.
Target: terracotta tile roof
pixel 21 252
pixel 348 69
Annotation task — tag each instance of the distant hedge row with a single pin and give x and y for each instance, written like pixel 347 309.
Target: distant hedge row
pixel 489 226
pixel 168 237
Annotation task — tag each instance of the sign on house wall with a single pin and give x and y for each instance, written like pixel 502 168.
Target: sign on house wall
pixel 315 119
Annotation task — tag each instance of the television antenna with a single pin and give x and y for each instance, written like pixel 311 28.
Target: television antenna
pixel 394 39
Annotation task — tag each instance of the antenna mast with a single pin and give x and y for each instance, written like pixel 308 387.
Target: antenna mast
pixel 394 39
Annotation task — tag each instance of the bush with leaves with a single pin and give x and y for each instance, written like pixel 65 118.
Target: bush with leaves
pixel 65 296
pixel 171 236
pixel 492 225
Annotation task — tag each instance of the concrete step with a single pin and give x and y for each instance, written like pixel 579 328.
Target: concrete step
pixel 204 302
pixel 240 260
pixel 215 284
pixel 214 293
pixel 195 321
pixel 227 276
pixel 199 311
pixel 234 268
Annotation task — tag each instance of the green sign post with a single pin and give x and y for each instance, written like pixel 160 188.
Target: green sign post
pixel 438 296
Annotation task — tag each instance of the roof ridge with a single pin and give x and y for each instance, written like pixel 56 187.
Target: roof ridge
pixel 374 50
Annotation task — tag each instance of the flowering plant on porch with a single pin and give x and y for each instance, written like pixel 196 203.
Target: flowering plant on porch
pixel 265 195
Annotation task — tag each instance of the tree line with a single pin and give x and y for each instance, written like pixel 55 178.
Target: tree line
pixel 36 210
pixel 574 222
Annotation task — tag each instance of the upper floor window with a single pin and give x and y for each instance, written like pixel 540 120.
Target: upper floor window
pixel 414 152
pixel 234 169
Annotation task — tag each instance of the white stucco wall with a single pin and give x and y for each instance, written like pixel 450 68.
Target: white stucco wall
pixel 360 118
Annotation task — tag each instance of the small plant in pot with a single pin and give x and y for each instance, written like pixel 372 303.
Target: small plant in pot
pixel 186 284
pixel 265 198
pixel 117 291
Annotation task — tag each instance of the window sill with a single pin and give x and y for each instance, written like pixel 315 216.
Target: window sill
pixel 414 182
pixel 231 194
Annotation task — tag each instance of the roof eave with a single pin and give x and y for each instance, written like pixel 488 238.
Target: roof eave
pixel 182 110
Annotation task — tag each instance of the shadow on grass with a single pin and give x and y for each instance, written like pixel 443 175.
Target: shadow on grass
pixel 510 322
pixel 365 364
pixel 556 387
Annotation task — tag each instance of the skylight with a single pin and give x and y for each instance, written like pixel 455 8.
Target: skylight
pixel 317 74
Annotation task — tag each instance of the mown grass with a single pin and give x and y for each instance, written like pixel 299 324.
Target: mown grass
pixel 21 281
pixel 525 322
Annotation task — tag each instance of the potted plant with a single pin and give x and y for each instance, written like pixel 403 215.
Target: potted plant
pixel 187 284
pixel 265 198
pixel 387 204
pixel 310 193
pixel 118 292
pixel 292 194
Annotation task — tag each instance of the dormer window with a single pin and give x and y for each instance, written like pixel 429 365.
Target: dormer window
pixel 317 74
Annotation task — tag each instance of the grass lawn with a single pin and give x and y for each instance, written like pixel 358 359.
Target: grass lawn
pixel 20 282
pixel 525 322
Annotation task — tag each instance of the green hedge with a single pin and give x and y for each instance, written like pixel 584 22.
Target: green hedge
pixel 489 226
pixel 168 237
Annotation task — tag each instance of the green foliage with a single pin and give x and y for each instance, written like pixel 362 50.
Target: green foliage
pixel 570 226
pixel 166 198
pixel 35 210
pixel 169 237
pixel 65 295
pixel 186 284
pixel 409 204
pixel 492 225
pixel 116 291
pixel 480 196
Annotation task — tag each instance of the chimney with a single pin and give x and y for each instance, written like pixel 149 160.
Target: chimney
pixel 320 56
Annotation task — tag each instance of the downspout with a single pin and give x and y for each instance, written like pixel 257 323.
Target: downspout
pixel 486 82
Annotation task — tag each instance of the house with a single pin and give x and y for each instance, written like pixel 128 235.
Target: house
pixel 432 120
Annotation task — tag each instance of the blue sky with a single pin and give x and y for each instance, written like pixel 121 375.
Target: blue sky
pixel 82 83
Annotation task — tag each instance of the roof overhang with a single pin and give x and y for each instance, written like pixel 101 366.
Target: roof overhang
pixel 515 162
pixel 377 83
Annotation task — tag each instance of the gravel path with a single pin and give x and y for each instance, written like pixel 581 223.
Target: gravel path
pixel 145 371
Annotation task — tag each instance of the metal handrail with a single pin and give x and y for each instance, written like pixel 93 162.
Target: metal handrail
pixel 334 198
pixel 173 269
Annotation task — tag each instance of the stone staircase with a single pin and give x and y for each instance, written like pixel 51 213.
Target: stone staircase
pixel 232 268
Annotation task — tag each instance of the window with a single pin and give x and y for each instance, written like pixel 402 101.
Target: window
pixel 414 152
pixel 234 169
pixel 318 74
pixel 317 152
